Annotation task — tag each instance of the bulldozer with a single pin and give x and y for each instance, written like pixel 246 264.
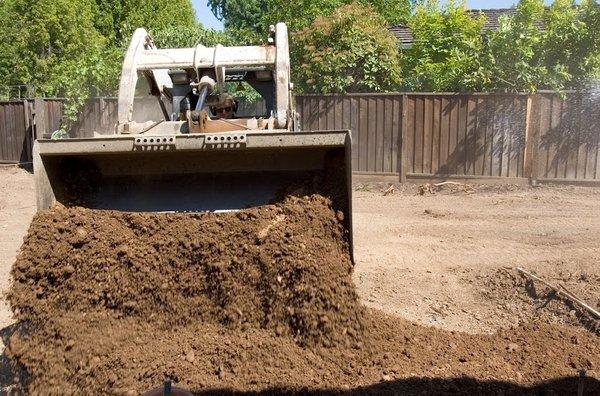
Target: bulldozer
pixel 192 160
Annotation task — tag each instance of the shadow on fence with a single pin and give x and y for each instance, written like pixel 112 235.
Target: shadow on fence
pixel 570 143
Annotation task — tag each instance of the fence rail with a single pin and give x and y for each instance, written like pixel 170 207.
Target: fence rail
pixel 544 137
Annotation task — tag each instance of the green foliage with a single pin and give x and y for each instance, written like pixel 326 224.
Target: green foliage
pixel 447 44
pixel 189 36
pixel 452 53
pixel 53 45
pixel 239 14
pixel 252 18
pixel 393 11
pixel 117 19
pixel 74 48
pixel 349 51
pixel 514 51
pixel 571 43
pixel 590 15
pixel 564 54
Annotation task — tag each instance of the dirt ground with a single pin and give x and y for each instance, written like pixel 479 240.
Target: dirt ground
pixel 438 259
pixel 17 207
pixel 444 260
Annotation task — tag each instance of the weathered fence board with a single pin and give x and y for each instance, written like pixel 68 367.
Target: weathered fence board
pixel 460 135
pixel 373 119
pixel 569 130
pixel 15 136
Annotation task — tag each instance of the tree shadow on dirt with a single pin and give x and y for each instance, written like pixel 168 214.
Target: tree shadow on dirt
pixel 438 386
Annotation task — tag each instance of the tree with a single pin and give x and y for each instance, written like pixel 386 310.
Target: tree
pixel 253 17
pixel 538 48
pixel 53 45
pixel 513 54
pixel 590 15
pixel 446 50
pixel 349 51
pixel 570 45
pixel 393 11
pixel 189 37
pixel 241 14
pixel 74 48
pixel 117 19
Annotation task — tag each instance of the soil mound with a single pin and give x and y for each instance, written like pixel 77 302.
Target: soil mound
pixel 102 354
pixel 283 267
pixel 258 301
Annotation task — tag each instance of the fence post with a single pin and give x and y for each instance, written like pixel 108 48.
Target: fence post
pixel 403 149
pixel 39 120
pixel 29 132
pixel 530 156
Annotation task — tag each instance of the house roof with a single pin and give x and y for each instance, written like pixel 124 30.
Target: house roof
pixel 492 22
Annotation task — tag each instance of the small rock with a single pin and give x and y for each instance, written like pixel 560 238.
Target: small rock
pixel 70 345
pixel 81 233
pixel 112 378
pixel 512 347
pixel 386 377
pixel 69 269
pixel 95 361
pixel 190 356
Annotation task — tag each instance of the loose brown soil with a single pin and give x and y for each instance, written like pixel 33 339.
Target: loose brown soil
pixel 284 267
pixel 532 301
pixel 106 355
pixel 258 300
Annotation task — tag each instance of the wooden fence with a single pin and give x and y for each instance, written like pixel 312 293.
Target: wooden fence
pixel 543 137
pixel 15 139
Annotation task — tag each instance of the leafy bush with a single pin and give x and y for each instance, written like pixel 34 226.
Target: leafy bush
pixel 349 51
pixel 446 50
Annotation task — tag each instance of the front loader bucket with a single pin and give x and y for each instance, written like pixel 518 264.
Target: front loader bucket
pixel 194 172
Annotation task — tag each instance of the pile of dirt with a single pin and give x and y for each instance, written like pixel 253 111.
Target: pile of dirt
pixel 283 267
pixel 260 300
pixel 126 356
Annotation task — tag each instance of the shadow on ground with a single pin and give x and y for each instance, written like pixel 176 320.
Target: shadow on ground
pixel 437 386
pixel 574 385
pixel 9 375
